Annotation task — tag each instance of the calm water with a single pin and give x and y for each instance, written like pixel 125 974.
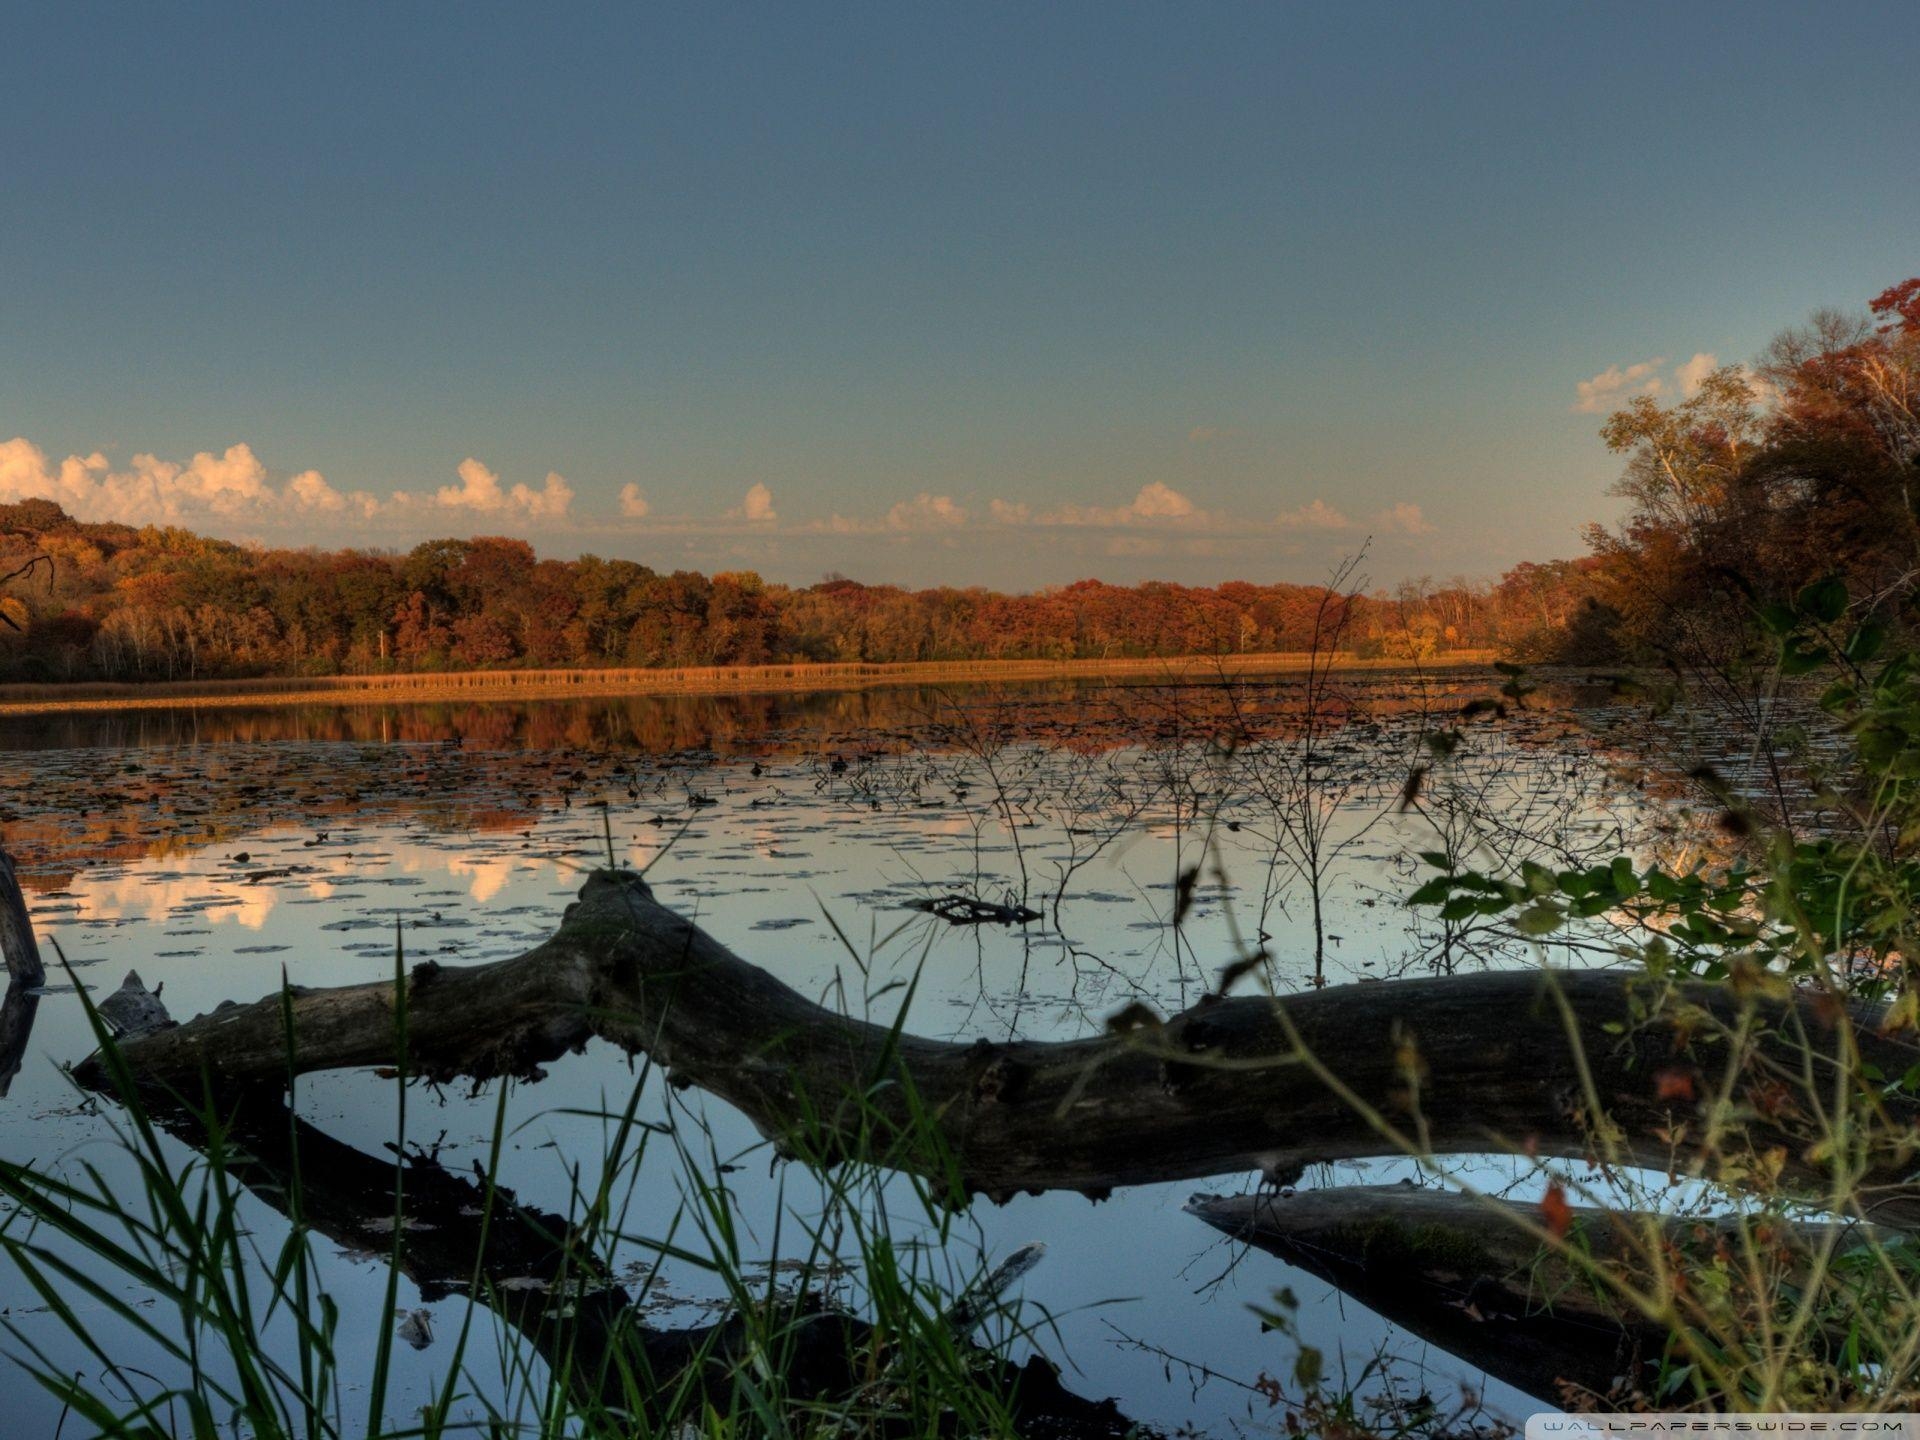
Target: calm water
pixel 217 851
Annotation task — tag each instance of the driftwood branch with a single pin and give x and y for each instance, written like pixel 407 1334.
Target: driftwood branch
pixel 1469 1064
pixel 1475 1277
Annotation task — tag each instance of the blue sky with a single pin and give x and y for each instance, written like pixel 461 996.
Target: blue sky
pixel 1006 295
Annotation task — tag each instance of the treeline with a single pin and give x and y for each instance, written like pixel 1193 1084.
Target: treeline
pixel 1747 488
pixel 1757 484
pixel 165 604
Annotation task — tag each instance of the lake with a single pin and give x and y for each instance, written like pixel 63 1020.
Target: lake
pixel 218 851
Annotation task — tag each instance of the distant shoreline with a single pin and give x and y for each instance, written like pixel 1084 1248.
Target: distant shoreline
pixel 419 688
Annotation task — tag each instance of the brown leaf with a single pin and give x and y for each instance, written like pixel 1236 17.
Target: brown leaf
pixel 1674 1085
pixel 1555 1212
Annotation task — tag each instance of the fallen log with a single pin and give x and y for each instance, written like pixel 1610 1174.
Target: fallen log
pixel 1473 1275
pixel 133 1010
pixel 1497 1062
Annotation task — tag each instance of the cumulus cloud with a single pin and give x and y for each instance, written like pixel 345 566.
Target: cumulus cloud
pixel 1690 373
pixel 926 512
pixel 1157 502
pixel 921 515
pixel 309 490
pixel 1403 519
pixel 479 490
pixel 633 504
pixel 756 507
pixel 1615 385
pixel 224 483
pixel 234 485
pixel 230 484
pixel 1314 515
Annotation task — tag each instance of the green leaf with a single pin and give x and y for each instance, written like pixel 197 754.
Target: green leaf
pixel 1541 919
pixel 1824 600
pixel 1866 642
pixel 1797 658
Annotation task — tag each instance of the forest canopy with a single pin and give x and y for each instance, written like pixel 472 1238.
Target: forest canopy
pixel 1758 484
pixel 165 604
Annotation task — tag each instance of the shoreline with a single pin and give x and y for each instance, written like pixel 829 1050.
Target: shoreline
pixel 483 685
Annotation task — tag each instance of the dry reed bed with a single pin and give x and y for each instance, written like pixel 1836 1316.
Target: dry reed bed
pixel 43 699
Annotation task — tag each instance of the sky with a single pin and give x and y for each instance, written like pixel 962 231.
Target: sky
pixel 972 294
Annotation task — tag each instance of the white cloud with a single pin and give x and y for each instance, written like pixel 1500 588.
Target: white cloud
pixel 224 483
pixel 309 490
pixel 755 507
pixel 1314 515
pixel 1156 502
pixel 1403 519
pixel 1009 512
pixel 1159 501
pixel 1613 385
pixel 926 512
pixel 918 516
pixel 1690 373
pixel 150 491
pixel 231 492
pixel 551 501
pixel 233 485
pixel 479 490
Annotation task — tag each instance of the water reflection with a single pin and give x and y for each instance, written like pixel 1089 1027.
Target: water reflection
pixel 222 851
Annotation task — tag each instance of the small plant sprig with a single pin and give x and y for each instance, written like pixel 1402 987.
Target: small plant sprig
pixel 1838 906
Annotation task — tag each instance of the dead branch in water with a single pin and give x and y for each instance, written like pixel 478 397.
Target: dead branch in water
pixel 1533 1062
pixel 965 910
pixel 1479 1278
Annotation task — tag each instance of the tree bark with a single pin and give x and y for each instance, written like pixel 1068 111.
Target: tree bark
pixel 1464 1064
pixel 25 975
